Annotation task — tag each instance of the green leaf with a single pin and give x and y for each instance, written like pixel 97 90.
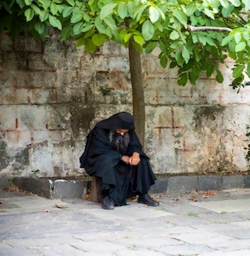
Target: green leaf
pixel 66 33
pixel 248 69
pixel 28 2
pixel 194 38
pixel 224 3
pixel 44 16
pixel 46 4
pixel 237 71
pixel 182 79
pixel 21 3
pixel 237 37
pixel 122 10
pixel 180 16
pixel 110 22
pixel 55 22
pixel 29 14
pixel 191 8
pixel 194 75
pixel 36 9
pixel 163 47
pixel 39 27
pixel 179 58
pixel 210 41
pixel 147 30
pixel 237 81
pixel 67 11
pixel 174 35
pixel 139 40
pixel 219 77
pixel 127 37
pixel 247 4
pixel 80 42
pixel 131 8
pixel 71 2
pixel 101 28
pixel 176 44
pixel 150 47
pixel 53 8
pixel 246 35
pixel 78 27
pixel 227 40
pixel 185 54
pixel 209 13
pixel 197 54
pixel 89 33
pixel 107 10
pixel 163 61
pixel 76 17
pixel 235 2
pixel 137 13
pixel 240 47
pixel 87 27
pixel 227 11
pixel 202 39
pixel 173 64
pixel 89 46
pixel 209 69
pixel 154 14
pixel 98 39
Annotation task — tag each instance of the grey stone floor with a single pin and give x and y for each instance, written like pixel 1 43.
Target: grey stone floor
pixel 208 223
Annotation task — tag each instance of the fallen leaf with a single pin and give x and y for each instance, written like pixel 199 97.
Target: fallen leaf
pixel 192 198
pixel 205 196
pixel 61 206
pixel 87 196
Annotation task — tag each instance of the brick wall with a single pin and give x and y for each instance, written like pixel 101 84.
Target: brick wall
pixel 51 94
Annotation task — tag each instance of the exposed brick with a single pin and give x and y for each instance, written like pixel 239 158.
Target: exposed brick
pixel 52 94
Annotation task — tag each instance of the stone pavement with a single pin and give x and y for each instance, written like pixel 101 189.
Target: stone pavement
pixel 208 223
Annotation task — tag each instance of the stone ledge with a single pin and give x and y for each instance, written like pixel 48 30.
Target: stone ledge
pixel 4 183
pixel 57 189
pixel 180 184
pixel 70 189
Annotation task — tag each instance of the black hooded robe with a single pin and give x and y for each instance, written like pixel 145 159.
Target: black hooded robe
pixel 100 160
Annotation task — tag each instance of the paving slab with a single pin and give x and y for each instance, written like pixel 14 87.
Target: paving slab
pixel 131 212
pixel 191 224
pixel 238 205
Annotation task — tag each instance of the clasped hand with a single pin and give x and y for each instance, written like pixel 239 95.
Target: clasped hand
pixel 133 160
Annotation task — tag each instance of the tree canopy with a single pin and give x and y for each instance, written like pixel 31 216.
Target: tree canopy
pixel 193 36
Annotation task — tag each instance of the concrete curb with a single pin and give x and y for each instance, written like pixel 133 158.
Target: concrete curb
pixel 69 189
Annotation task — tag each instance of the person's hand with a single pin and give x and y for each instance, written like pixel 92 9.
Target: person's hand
pixel 126 159
pixel 135 159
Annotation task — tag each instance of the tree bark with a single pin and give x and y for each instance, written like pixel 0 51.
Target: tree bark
pixel 221 29
pixel 137 92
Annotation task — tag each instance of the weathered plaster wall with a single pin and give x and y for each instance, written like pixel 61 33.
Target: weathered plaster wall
pixel 51 94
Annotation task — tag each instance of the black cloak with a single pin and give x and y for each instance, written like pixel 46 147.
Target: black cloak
pixel 100 160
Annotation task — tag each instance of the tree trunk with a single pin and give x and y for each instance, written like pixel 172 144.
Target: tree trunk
pixel 137 92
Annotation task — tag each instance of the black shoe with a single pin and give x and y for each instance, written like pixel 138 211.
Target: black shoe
pixel 146 199
pixel 108 203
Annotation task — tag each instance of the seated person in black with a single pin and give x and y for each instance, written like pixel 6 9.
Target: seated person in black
pixel 114 153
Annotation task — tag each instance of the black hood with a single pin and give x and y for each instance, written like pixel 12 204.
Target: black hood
pixel 121 120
